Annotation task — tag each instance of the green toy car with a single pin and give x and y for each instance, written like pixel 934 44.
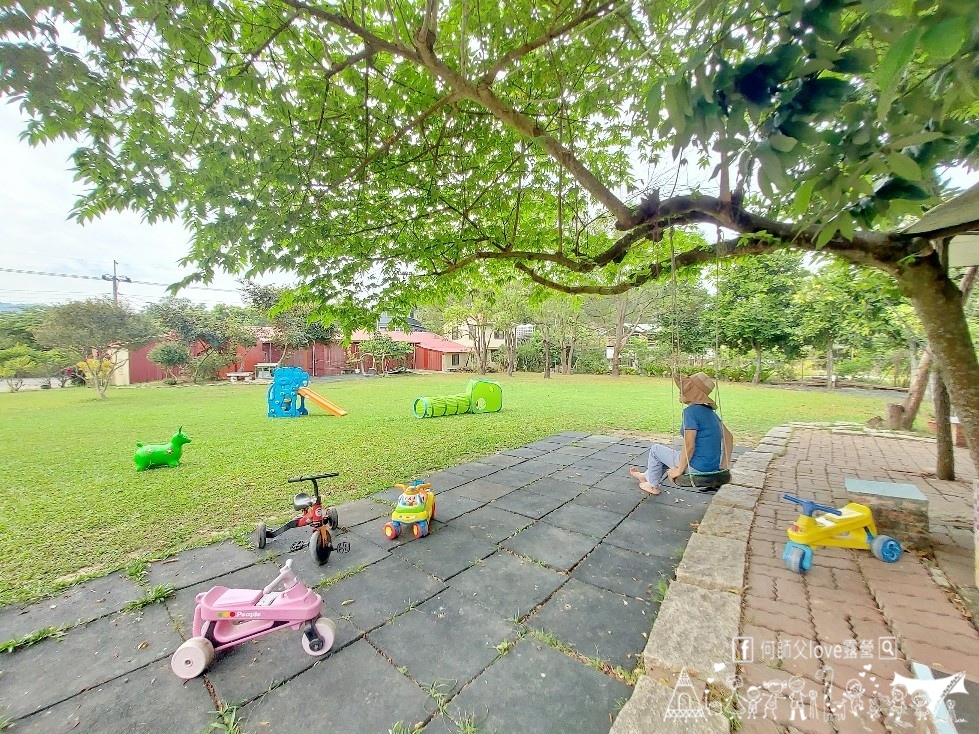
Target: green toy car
pixel 416 507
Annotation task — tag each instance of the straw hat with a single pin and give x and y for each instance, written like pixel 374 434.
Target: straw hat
pixel 695 388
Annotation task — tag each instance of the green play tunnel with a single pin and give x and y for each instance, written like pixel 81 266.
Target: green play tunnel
pixel 481 396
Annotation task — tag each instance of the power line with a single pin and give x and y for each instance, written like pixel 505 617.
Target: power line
pixel 109 277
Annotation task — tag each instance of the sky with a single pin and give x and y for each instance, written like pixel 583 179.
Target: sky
pixel 36 195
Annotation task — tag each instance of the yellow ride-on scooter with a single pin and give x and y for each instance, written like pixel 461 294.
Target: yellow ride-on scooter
pixel 852 526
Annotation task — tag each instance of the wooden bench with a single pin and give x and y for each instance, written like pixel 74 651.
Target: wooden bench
pixel 900 510
pixel 235 376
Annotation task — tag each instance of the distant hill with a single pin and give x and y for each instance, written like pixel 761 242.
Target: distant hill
pixel 15 306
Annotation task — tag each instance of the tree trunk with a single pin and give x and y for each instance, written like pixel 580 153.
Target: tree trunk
pixel 945 462
pixel 547 358
pixel 830 381
pixel 916 390
pixel 757 378
pixel 621 304
pixel 510 340
pixel 939 305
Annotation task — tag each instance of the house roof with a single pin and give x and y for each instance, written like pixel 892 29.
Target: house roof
pixel 424 339
pixel 959 211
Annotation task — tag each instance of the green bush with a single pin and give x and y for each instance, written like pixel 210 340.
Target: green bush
pixel 592 362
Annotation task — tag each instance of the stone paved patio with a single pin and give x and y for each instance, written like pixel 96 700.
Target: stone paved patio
pixel 526 609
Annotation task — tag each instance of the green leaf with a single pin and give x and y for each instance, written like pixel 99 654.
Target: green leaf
pixel 916 139
pixel 944 39
pixel 904 166
pixel 803 195
pixel 891 69
pixel 782 143
pixel 826 234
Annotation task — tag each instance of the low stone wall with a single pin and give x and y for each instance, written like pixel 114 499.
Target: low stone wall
pixel 701 613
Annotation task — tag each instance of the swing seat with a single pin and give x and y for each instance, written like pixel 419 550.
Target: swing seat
pixel 704 480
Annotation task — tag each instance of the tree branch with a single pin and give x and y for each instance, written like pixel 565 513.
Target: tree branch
pixel 370 39
pixel 552 33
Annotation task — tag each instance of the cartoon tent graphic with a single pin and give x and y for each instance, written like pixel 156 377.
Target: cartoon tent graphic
pixel 684 702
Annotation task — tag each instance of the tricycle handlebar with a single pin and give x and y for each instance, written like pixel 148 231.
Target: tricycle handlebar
pixel 809 507
pixel 313 477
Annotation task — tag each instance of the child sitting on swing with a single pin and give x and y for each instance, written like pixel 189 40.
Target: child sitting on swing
pixel 707 443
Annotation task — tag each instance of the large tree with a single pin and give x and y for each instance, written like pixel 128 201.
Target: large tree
pixel 754 296
pixel 368 147
pixel 100 331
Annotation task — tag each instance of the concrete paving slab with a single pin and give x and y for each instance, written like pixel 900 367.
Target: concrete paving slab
pixel 472 470
pixel 537 468
pixel 552 461
pixel 452 551
pixel 374 533
pixel 600 464
pixel 75 605
pixel 136 703
pixel 377 593
pixel 584 519
pixel 596 623
pixel 678 515
pixel 356 690
pixel 579 475
pixel 596 441
pixel 513 478
pixel 54 670
pixel 574 452
pixel 502 460
pixel 559 548
pixel 525 452
pixel 491 523
pixel 620 481
pixel 569 436
pixel 360 511
pixel 508 585
pixel 556 488
pixel 193 566
pixel 482 490
pixel 534 682
pixel 529 503
pixel 444 480
pixel 614 502
pixel 362 546
pixel 656 539
pixel 549 444
pixel 460 640
pixel 449 506
pixel 624 572
pixel 245 672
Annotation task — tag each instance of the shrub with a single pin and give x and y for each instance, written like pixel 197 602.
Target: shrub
pixel 171 356
pixel 592 362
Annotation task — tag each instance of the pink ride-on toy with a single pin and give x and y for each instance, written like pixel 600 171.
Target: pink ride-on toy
pixel 227 617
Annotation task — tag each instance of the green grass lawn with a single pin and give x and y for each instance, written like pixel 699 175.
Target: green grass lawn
pixel 72 504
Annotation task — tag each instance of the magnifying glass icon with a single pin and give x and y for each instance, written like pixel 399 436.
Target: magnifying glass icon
pixel 887 648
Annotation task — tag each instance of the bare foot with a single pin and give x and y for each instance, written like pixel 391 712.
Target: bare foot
pixel 636 474
pixel 649 488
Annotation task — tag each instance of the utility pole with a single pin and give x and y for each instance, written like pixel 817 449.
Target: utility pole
pixel 116 279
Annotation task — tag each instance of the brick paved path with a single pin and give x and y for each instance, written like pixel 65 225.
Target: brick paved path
pixel 849 602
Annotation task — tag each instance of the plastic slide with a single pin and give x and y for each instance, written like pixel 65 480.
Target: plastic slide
pixel 322 402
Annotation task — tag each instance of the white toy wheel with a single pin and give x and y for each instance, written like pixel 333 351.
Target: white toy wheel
pixel 192 658
pixel 325 628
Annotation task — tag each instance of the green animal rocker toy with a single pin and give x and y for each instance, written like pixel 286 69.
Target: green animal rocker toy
pixel 161 454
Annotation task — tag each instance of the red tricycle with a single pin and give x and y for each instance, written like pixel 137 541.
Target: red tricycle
pixel 321 519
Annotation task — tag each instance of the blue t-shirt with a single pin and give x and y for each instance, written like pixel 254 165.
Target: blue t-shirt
pixel 708 446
